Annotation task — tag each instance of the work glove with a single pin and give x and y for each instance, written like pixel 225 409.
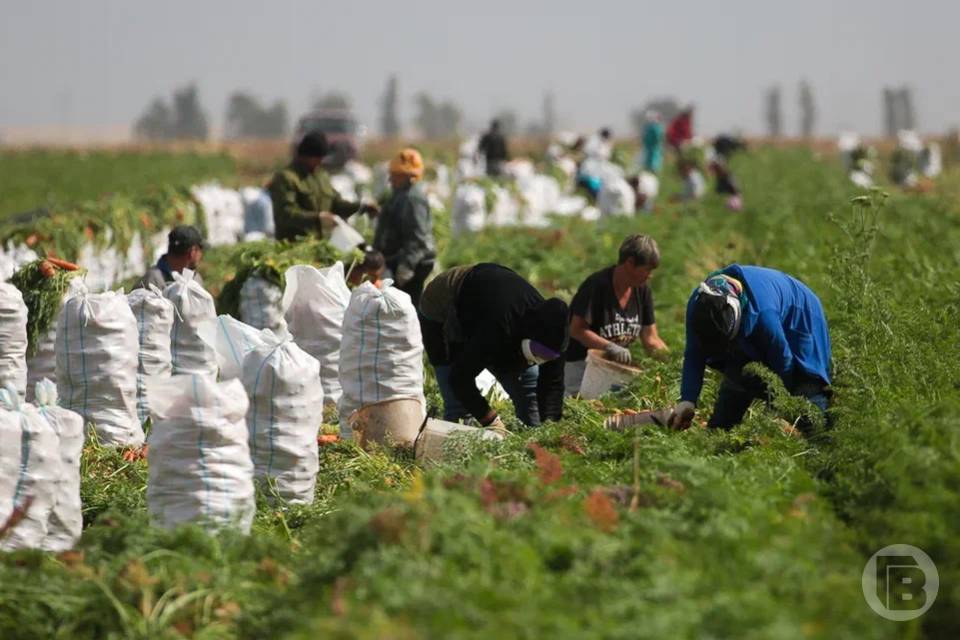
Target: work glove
pixel 681 416
pixel 617 353
pixel 403 275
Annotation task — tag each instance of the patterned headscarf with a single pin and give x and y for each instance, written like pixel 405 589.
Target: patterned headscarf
pixel 717 311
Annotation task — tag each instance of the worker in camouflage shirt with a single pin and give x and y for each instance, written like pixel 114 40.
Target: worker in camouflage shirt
pixel 303 197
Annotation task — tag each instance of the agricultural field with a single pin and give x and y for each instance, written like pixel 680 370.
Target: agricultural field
pixel 571 530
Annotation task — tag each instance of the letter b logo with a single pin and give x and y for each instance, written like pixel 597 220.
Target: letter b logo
pixel 900 582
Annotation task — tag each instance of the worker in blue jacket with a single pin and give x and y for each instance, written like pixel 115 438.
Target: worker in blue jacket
pixel 744 314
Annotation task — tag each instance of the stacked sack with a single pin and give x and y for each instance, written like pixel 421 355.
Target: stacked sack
pixel 200 469
pixel 233 340
pixel 13 338
pixel 97 346
pixel 381 356
pixel 154 315
pixel 315 301
pixel 194 310
pixel 282 382
pixel 260 305
pixel 29 471
pixel 66 517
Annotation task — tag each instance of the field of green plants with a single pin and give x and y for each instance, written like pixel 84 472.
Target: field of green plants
pixel 571 530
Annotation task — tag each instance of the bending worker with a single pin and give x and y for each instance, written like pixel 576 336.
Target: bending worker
pixel 744 314
pixel 612 309
pixel 405 228
pixel 303 197
pixel 486 316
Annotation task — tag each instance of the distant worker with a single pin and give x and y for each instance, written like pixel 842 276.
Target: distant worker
pixel 600 145
pixel 370 268
pixel 652 142
pixel 744 314
pixel 493 146
pixel 405 229
pixel 486 316
pixel 612 309
pixel 184 251
pixel 680 129
pixel 303 197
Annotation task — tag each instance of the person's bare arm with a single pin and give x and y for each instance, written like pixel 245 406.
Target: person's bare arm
pixel 581 331
pixel 652 343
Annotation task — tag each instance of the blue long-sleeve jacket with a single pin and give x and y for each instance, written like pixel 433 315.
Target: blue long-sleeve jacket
pixel 783 326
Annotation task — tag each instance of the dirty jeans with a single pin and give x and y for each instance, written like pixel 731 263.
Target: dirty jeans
pixel 520 386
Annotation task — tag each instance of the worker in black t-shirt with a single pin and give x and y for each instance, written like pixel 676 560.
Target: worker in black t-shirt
pixel 612 309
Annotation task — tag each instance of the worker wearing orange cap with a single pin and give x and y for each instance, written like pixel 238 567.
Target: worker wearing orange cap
pixel 405 229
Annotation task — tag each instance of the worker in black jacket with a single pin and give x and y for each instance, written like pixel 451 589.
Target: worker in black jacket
pixel 493 146
pixel 486 316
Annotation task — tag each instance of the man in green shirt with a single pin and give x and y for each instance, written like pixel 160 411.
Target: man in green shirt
pixel 303 197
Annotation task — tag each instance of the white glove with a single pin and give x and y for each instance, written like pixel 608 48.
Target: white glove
pixel 681 416
pixel 617 353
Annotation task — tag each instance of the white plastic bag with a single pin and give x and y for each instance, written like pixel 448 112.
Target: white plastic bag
pixel 36 476
pixel 66 518
pixel 195 308
pixel 260 305
pixel 282 382
pixel 13 338
pixel 200 468
pixel 97 347
pixel 154 315
pixel 344 237
pixel 314 302
pixel 381 354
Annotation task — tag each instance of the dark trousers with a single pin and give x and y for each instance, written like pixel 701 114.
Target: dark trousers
pixel 521 386
pixel 414 286
pixel 738 391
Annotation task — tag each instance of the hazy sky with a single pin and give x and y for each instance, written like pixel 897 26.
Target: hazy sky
pixel 97 63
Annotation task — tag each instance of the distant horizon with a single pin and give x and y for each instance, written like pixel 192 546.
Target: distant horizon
pixel 92 68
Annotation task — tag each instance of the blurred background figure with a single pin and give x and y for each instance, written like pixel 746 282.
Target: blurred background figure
pixel 369 269
pixel 405 229
pixel 652 143
pixel 680 129
pixel 493 147
pixel 599 146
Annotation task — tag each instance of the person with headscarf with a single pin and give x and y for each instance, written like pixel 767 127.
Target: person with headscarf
pixel 745 314
pixel 680 129
pixel 486 316
pixel 404 232
pixel 303 197
pixel 652 141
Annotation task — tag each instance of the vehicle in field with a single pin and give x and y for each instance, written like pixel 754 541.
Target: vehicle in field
pixel 343 132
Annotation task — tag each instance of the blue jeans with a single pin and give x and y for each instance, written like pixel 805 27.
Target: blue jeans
pixel 737 392
pixel 521 387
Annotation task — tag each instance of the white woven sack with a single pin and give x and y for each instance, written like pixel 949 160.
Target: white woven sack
pixel 194 307
pixel 282 382
pixel 9 461
pixel 233 340
pixel 97 347
pixel 616 198
pixel 469 209
pixel 260 305
pixel 13 338
pixel 381 355
pixel 37 474
pixel 200 468
pixel 154 314
pixel 65 523
pixel 314 303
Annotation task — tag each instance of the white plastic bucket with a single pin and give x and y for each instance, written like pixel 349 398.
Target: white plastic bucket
pixel 429 445
pixel 602 375
pixel 395 422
